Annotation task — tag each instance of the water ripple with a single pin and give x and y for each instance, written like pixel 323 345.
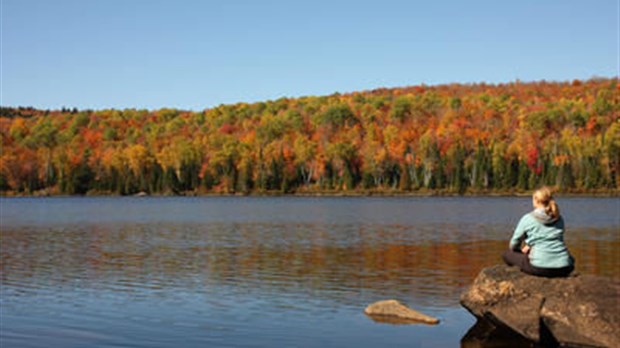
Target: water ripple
pixel 222 281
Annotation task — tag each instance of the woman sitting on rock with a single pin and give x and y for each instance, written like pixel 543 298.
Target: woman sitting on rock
pixel 537 245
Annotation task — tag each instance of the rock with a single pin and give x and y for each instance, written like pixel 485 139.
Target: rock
pixel 581 310
pixel 394 312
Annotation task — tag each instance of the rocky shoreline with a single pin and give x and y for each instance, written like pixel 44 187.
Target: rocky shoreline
pixel 577 311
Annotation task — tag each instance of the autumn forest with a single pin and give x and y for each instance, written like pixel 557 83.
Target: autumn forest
pixel 447 139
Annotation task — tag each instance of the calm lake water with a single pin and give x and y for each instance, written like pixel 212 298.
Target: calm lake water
pixel 260 272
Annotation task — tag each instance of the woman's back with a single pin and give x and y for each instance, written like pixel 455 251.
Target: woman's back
pixel 542 233
pixel 546 242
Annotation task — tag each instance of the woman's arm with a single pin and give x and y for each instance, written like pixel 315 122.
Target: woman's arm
pixel 519 235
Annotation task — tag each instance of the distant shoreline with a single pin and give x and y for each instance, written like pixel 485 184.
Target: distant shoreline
pixel 421 193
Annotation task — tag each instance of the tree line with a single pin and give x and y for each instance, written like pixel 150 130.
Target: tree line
pixel 454 138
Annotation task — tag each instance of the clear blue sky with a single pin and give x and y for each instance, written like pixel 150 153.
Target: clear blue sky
pixel 198 54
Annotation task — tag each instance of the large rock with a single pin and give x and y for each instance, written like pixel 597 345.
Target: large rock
pixel 394 312
pixel 581 310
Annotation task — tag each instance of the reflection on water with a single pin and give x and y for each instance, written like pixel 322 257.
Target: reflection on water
pixel 255 272
pixel 485 334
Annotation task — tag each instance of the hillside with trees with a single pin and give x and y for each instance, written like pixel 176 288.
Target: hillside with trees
pixel 456 138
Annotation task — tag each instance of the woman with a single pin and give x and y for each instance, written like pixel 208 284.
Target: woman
pixel 537 245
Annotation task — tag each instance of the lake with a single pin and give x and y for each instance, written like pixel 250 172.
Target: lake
pixel 260 271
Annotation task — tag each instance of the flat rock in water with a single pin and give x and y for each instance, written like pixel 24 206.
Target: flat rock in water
pixel 394 312
pixel 581 310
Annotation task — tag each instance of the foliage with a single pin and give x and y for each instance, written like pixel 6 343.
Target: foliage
pixel 453 138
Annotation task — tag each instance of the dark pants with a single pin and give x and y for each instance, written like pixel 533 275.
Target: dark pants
pixel 521 260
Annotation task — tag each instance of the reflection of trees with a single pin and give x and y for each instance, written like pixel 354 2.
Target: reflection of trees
pixel 336 260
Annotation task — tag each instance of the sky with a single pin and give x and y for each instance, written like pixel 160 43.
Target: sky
pixel 196 54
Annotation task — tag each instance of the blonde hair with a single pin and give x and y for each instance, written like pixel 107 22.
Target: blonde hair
pixel 545 198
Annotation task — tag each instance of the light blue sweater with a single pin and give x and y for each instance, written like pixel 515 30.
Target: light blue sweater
pixel 545 237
